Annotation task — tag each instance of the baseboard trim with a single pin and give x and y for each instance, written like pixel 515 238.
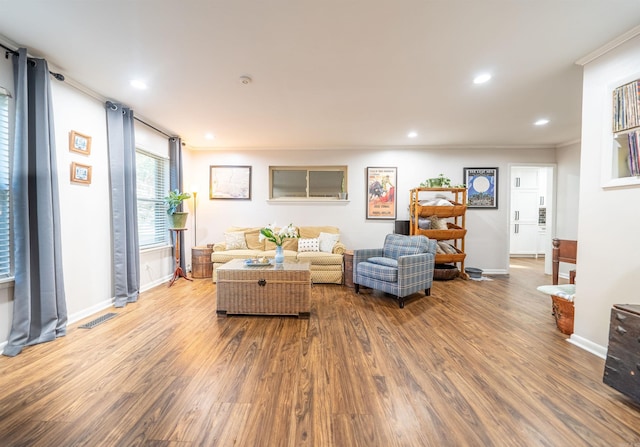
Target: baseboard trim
pixel 156 283
pixel 588 345
pixel 84 313
pixel 494 272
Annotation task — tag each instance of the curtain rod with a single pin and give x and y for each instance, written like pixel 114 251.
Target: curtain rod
pixel 153 127
pixel 58 76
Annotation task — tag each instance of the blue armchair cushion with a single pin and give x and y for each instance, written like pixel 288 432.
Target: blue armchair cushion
pixel 378 271
pixel 388 262
pixel 397 245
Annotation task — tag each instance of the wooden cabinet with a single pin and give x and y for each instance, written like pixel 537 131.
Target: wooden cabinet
pixel 454 215
pixel 622 367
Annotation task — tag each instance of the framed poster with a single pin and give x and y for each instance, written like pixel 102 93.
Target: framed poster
pixel 80 173
pixel 482 187
pixel 381 193
pixel 230 182
pixel 79 143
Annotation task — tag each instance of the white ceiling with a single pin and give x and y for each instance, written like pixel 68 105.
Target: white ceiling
pixel 331 73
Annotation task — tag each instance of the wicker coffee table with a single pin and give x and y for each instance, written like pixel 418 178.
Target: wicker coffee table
pixel 263 290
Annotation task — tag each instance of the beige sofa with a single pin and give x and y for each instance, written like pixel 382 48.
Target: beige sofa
pixel 244 243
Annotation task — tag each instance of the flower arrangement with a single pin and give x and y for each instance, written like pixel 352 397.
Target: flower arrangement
pixel 269 233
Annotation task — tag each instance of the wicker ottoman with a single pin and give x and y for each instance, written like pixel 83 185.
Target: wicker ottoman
pixel 263 290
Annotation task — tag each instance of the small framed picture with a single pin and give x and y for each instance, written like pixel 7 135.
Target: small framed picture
pixel 79 143
pixel 80 173
pixel 482 187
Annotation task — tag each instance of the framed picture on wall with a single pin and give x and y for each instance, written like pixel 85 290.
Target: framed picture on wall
pixel 230 182
pixel 482 187
pixel 381 193
pixel 80 173
pixel 79 143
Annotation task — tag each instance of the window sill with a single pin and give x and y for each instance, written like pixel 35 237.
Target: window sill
pixel 621 182
pixel 327 201
pixel 7 283
pixel 156 248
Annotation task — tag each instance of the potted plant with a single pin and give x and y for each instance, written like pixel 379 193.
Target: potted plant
pixel 177 219
pixel 343 190
pixel 438 182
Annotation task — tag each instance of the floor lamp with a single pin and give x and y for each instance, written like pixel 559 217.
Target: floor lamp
pixel 195 217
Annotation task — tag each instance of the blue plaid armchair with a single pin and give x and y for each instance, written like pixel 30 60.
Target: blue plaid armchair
pixel 404 265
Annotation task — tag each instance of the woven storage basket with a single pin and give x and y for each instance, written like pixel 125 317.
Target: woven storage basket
pixel 563 311
pixel 457 209
pixel 453 232
pixel 444 258
pixel 443 272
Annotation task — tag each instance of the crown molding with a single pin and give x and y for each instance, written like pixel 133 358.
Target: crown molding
pixel 609 46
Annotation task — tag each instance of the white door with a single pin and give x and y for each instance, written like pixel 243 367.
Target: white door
pixel 524 212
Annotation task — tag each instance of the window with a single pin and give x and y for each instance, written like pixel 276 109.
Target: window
pixel 152 187
pixel 302 182
pixel 5 189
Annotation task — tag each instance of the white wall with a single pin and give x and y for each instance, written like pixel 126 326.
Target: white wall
pixel 488 232
pixel 85 212
pixel 567 191
pixel 608 260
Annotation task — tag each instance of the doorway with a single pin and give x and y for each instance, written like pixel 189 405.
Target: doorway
pixel 532 211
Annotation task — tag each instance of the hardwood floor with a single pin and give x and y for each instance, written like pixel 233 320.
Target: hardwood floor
pixel 478 363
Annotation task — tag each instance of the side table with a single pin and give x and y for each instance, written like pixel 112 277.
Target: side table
pixel 201 265
pixel 178 273
pixel 348 268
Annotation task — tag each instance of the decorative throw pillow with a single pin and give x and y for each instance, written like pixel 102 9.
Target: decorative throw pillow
pixel 437 223
pixel 308 244
pixel 447 248
pixel 252 238
pixel 235 240
pixel 327 241
pixel 424 223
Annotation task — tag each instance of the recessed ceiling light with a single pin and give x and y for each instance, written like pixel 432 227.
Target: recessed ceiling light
pixel 541 122
pixel 209 136
pixel 137 83
pixel 482 78
pixel 412 134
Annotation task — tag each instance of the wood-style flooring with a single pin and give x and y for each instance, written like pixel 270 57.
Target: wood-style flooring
pixel 478 363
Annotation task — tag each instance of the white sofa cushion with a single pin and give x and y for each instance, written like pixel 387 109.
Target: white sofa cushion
pixel 327 241
pixel 235 240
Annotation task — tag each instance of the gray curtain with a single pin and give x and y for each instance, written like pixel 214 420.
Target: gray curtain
pixel 39 306
pixel 124 203
pixel 175 182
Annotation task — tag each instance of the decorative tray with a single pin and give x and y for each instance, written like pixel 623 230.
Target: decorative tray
pixel 256 263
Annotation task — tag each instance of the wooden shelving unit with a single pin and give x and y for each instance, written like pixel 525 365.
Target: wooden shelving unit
pixel 455 216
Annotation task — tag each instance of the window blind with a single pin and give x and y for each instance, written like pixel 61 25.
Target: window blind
pixel 5 189
pixel 152 186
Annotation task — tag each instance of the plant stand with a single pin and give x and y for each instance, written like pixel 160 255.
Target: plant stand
pixel 178 273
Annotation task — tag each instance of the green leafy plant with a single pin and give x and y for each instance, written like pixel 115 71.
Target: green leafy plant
pixel 174 199
pixel 439 182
